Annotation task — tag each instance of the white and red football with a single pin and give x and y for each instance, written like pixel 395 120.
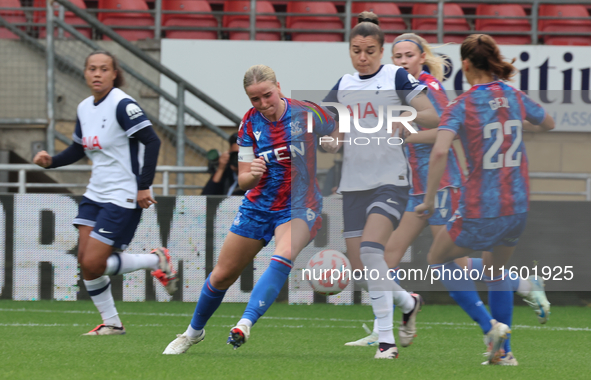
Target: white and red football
pixel 328 272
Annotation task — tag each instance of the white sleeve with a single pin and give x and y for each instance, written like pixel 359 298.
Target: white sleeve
pixel 246 154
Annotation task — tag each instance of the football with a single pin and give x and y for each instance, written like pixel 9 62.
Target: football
pixel 328 272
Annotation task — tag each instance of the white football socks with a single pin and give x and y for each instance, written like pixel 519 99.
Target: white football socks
pixel 192 333
pixel 246 322
pixel 100 293
pixel 380 290
pixel 121 262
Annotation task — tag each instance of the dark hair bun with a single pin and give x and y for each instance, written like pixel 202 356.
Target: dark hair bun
pixel 366 16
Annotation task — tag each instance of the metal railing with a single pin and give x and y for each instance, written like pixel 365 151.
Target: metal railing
pixel 565 176
pixel 22 185
pixel 158 12
pixel 60 63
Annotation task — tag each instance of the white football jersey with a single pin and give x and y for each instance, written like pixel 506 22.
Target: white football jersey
pixel 105 131
pixel 369 161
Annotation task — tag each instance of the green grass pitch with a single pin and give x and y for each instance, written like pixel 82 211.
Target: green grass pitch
pixel 41 340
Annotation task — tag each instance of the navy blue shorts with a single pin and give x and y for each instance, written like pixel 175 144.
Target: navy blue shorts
pixel 112 224
pixel 485 233
pixel 387 200
pixel 446 203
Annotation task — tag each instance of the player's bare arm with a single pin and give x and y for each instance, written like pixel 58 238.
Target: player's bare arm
pixel 250 173
pixel 144 198
pixel 427 116
pixel 423 137
pixel 42 159
pixel 546 125
pixel 332 146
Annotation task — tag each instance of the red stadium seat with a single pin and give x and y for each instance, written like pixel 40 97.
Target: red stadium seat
pixel 449 24
pixel 189 19
pixel 127 19
pixel 69 18
pixel 501 24
pixel 243 21
pixel 381 9
pixel 11 17
pixel 557 25
pixel 319 22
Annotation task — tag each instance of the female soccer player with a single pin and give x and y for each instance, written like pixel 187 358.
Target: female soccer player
pixel 277 165
pixel 412 52
pixel 113 131
pixel 489 120
pixel 375 178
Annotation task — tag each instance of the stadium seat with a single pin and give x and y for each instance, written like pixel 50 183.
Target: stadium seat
pixel 557 25
pixel 11 17
pixel 189 19
pixel 501 24
pixel 243 21
pixel 449 24
pixel 319 22
pixel 114 20
pixel 69 18
pixel 381 9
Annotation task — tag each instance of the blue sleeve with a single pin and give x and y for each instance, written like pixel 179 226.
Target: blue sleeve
pixel 453 116
pixel 131 117
pixel 71 154
pixel 333 98
pixel 77 135
pixel 148 137
pixel 324 123
pixel 407 86
pixel 534 113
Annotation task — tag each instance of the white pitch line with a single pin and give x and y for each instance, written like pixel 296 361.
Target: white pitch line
pixel 446 326
pixel 443 324
pixel 183 315
pixel 167 325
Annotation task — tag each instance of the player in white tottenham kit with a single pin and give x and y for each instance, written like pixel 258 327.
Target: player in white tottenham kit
pixel 375 179
pixel 114 132
pixel 413 53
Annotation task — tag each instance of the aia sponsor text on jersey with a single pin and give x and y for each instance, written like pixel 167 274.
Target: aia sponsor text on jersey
pixel 91 143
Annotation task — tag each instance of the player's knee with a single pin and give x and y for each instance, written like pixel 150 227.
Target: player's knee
pixel 222 279
pixel 92 266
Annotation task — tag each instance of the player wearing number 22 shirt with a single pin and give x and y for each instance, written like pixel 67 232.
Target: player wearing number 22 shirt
pixel 488 120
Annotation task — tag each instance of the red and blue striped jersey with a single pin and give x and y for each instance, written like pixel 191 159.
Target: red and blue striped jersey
pixel 290 154
pixel 418 154
pixel 488 119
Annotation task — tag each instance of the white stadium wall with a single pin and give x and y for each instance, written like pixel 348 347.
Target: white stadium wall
pixel 217 68
pixel 39 261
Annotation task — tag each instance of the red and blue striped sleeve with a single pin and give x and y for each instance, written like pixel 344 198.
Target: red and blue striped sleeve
pixel 453 116
pixel 531 111
pixel 324 124
pixel 245 137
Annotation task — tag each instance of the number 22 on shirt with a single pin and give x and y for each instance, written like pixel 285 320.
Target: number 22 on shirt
pixel 497 131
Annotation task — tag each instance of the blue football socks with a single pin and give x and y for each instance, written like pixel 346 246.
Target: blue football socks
pixel 209 300
pixel 476 263
pixel 500 299
pixel 267 288
pixel 463 291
